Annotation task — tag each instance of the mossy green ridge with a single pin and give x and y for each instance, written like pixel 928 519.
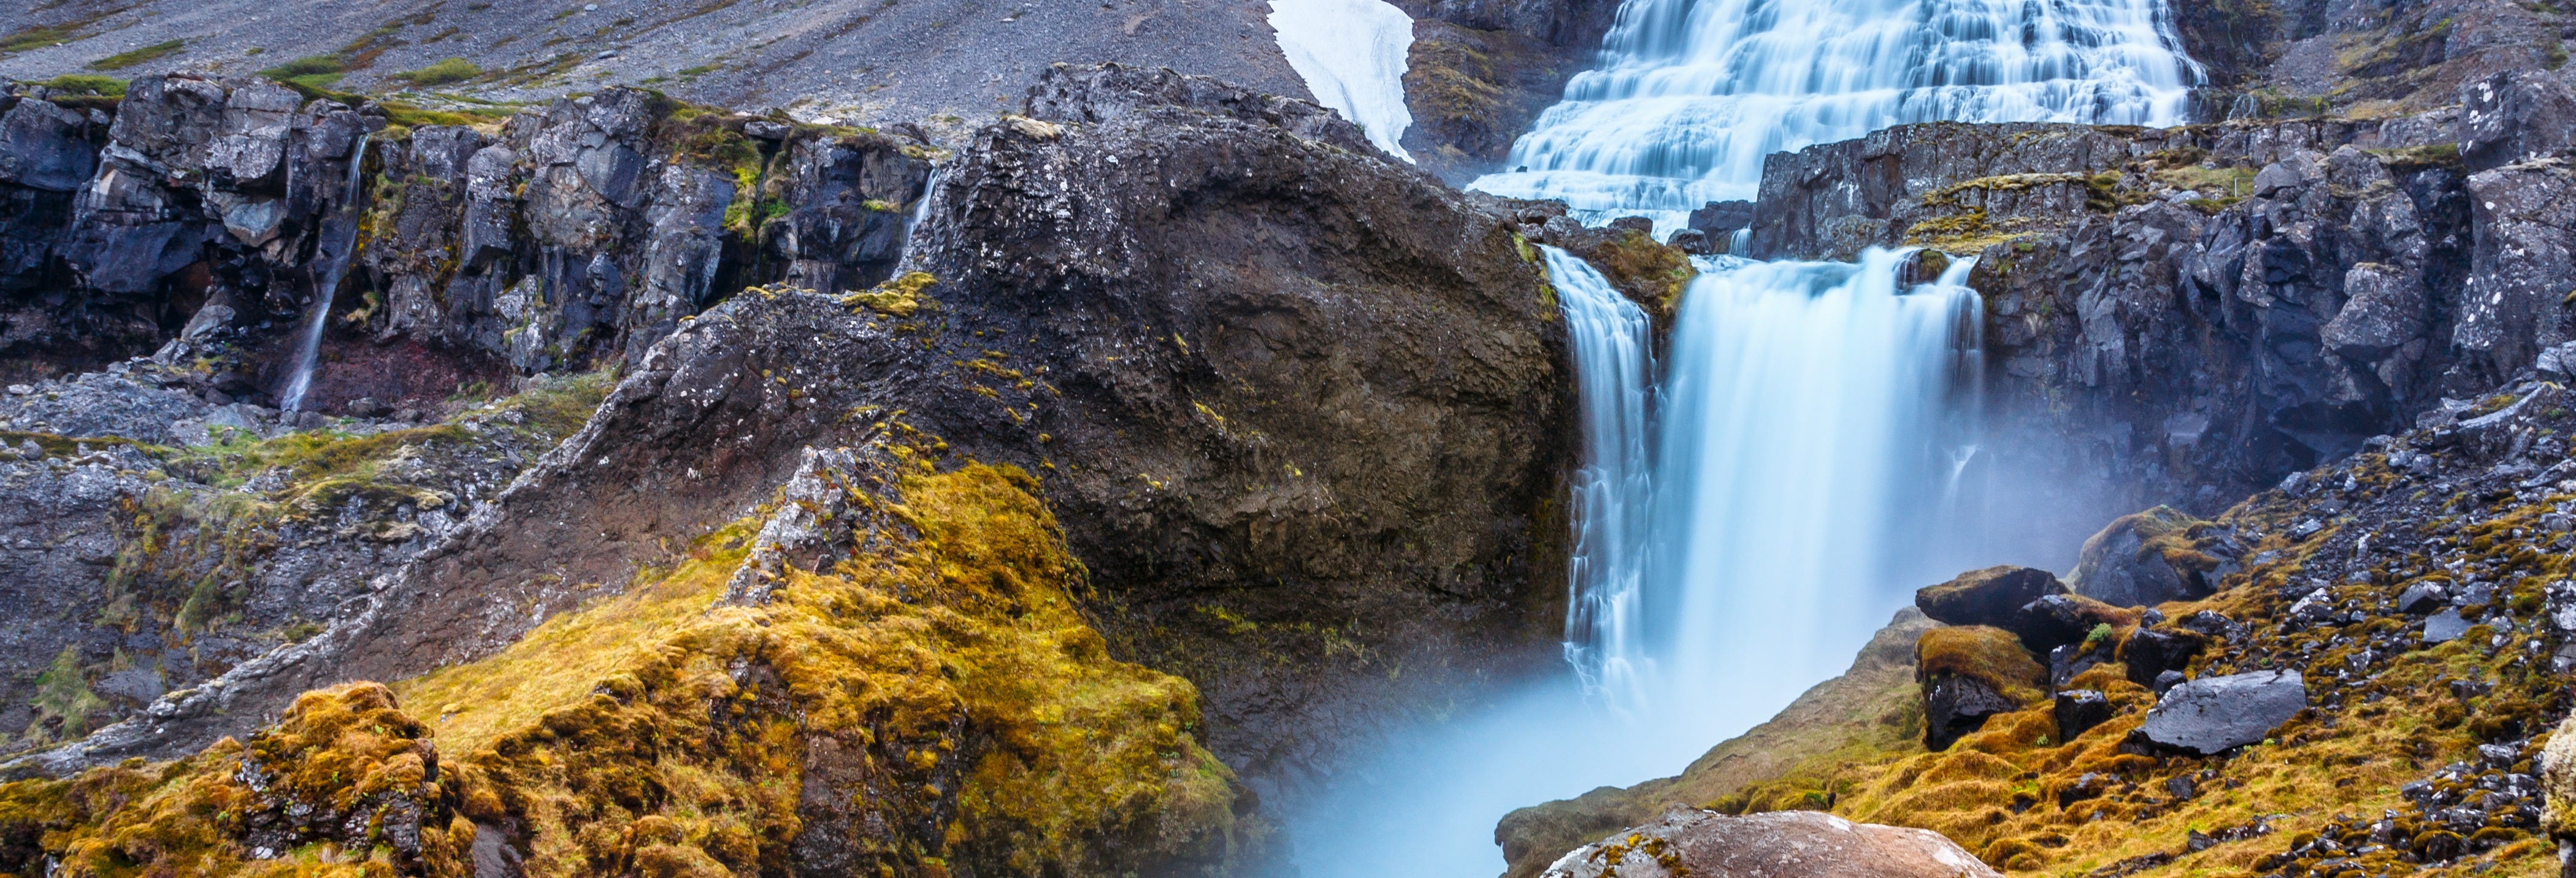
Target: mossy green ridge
pixel 937 706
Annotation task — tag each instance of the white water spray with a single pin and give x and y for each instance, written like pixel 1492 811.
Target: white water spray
pixel 334 258
pixel 1691 95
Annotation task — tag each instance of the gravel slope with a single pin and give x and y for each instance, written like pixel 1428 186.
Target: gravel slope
pixel 853 60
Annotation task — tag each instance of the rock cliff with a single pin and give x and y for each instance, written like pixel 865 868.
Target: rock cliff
pixel 1296 409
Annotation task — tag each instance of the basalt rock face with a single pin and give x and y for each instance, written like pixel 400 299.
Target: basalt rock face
pixel 2202 310
pixel 2305 57
pixel 1298 409
pixel 571 236
pixel 1481 70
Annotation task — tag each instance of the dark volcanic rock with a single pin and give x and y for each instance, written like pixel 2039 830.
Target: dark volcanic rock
pixel 2079 710
pixel 2213 715
pixel 1954 706
pixel 1780 844
pixel 2143 560
pixel 2444 627
pixel 1481 70
pixel 1993 596
pixel 2516 116
pixel 2149 653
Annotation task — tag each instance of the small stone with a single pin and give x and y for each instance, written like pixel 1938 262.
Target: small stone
pixel 2444 627
pixel 2078 711
pixel 20 390
pixel 2166 681
pixel 2421 597
pixel 2179 786
pixel 2473 594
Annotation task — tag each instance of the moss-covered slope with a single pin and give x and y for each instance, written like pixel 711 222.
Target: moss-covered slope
pixel 934 705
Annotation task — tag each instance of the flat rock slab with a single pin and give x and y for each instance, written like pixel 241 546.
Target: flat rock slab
pixel 2444 627
pixel 2213 715
pixel 1781 844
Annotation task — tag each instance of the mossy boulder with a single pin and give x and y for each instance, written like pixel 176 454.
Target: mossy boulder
pixel 933 704
pixel 2147 558
pixel 1970 673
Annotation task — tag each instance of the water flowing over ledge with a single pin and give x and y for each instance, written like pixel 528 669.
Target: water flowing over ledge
pixel 1691 95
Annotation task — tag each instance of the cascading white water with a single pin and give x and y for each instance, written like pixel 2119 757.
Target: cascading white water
pixel 1748 519
pixel 1691 95
pixel 334 258
pixel 1814 411
pixel 1613 490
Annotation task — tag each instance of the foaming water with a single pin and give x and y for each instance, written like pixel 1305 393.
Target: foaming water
pixel 1691 95
pixel 335 255
pixel 1744 526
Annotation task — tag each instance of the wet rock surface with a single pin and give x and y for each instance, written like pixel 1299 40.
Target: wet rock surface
pixel 1788 843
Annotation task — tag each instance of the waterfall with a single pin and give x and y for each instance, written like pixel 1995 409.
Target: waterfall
pixel 1612 489
pixel 1740 531
pixel 1816 414
pixel 1691 95
pixel 334 262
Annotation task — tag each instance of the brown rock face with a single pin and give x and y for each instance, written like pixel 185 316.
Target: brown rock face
pixel 1780 844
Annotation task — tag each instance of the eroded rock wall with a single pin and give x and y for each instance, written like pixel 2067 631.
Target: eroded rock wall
pixel 574 235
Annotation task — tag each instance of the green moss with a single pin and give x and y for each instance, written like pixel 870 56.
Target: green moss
pixel 1647 271
pixel 63 700
pixel 441 73
pixel 147 54
pixel 85 84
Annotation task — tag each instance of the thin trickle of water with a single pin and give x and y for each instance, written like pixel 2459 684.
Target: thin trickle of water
pixel 1614 382
pixel 1691 95
pixel 334 259
pixel 920 213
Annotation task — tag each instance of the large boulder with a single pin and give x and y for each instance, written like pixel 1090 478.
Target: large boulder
pixel 2143 560
pixel 1993 596
pixel 1780 844
pixel 2213 715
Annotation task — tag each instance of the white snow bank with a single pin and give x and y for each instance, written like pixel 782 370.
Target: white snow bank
pixel 1352 55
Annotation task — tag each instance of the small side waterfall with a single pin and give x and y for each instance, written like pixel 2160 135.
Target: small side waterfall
pixel 1612 492
pixel 334 258
pixel 1691 95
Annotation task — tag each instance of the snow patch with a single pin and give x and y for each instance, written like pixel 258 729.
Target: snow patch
pixel 1352 55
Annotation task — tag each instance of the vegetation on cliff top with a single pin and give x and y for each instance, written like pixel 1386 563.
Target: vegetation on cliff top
pixel 940 700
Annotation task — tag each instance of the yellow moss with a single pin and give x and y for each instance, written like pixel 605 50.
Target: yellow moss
pixel 1634 262
pixel 1992 655
pixel 947 682
pixel 900 297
